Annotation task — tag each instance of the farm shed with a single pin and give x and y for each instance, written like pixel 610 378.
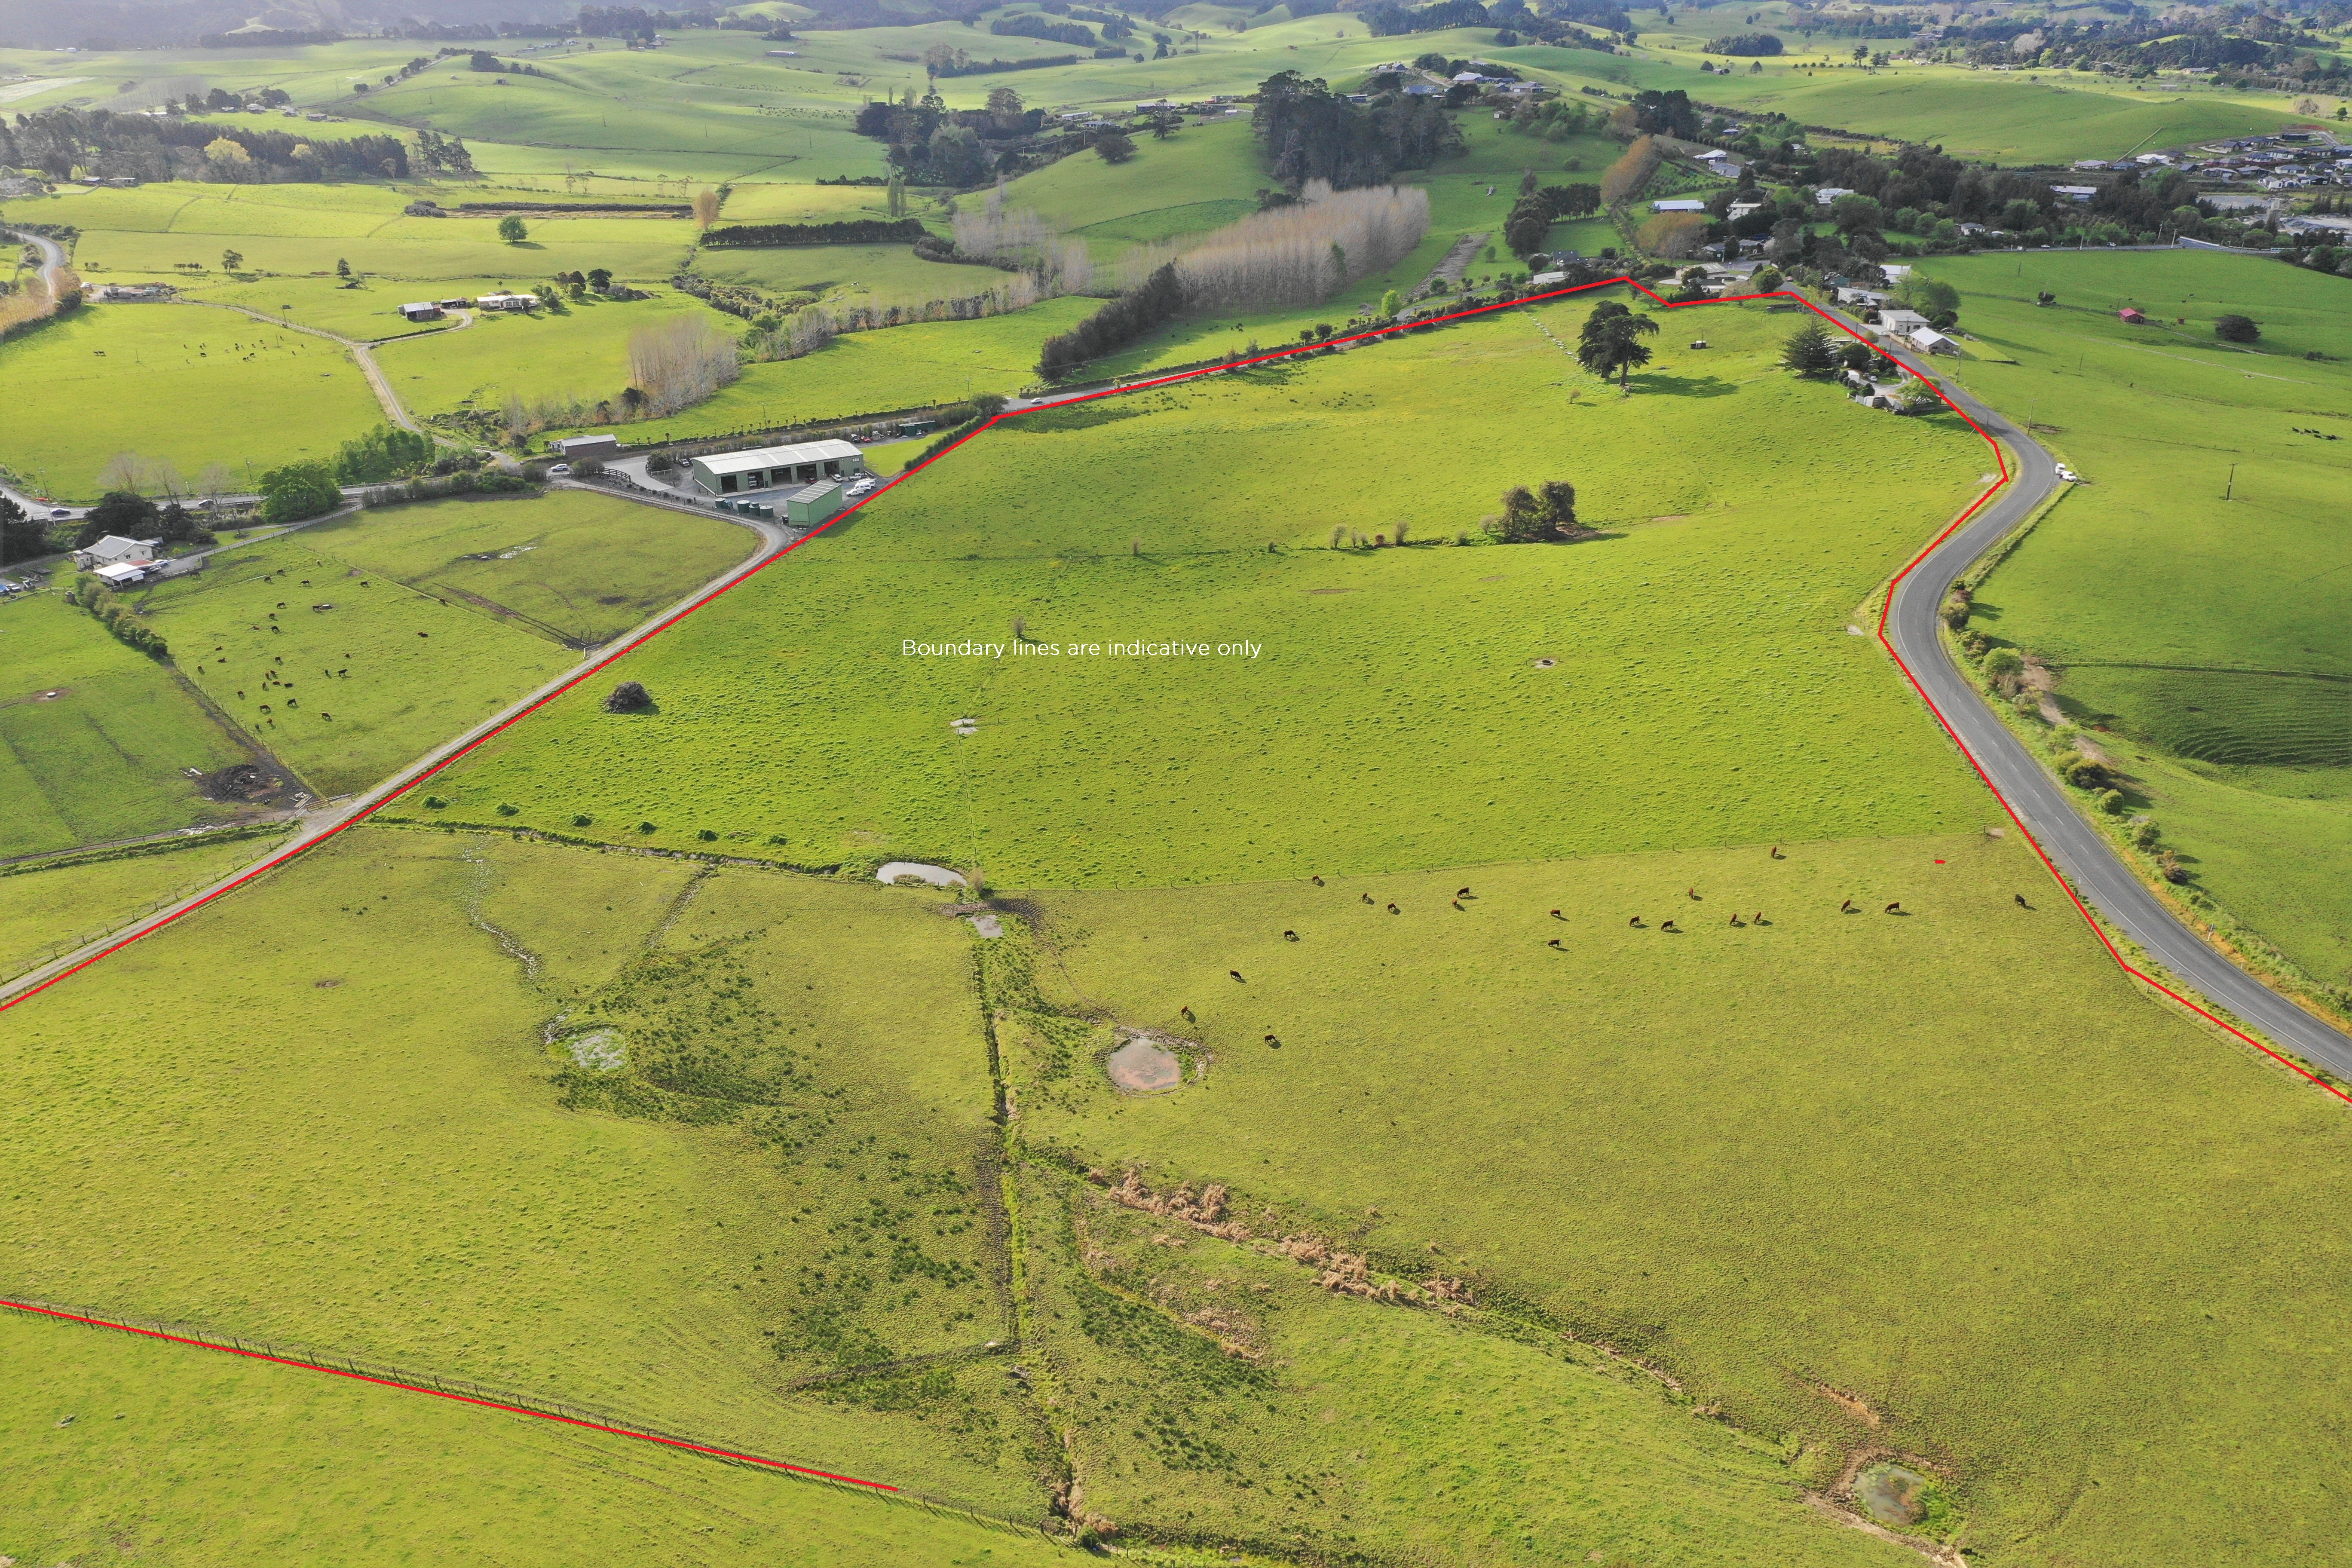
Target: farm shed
pixel 121 575
pixel 819 502
pixel 2130 317
pixel 769 468
pixel 421 311
pixel 1928 339
pixel 1678 204
pixel 589 447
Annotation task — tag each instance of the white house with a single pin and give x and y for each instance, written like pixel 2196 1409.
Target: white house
pixel 1678 204
pixel 1740 209
pixel 114 550
pixel 506 301
pixel 1900 320
pixel 1928 341
pixel 771 468
pixel 1829 194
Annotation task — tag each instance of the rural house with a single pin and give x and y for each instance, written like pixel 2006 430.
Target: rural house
pixel 507 301
pixel 422 310
pixel 771 468
pixel 1928 341
pixel 114 550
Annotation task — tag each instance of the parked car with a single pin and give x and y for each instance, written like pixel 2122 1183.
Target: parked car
pixel 561 471
pixel 59 514
pixel 2068 474
pixel 859 486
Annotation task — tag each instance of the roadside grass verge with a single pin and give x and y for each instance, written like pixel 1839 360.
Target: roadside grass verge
pixel 2197 639
pixel 49 910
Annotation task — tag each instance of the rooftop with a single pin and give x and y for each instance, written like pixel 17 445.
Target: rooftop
pixel 778 456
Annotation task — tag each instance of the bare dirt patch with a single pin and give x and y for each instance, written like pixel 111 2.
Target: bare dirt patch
pixel 244 781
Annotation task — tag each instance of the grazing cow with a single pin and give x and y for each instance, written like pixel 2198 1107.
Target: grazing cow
pixel 1457 904
pixel 1776 853
pixel 1366 897
pixel 1846 908
pixel 1272 1041
pixel 1464 893
pixel 1736 919
pixel 1316 880
pixel 1290 936
pixel 1394 910
pixel 1895 908
pixel 1694 893
pixel 1557 915
pixel 1760 920
pixel 1236 974
pixel 1636 920
pixel 1555 942
pixel 1670 926
pixel 2021 897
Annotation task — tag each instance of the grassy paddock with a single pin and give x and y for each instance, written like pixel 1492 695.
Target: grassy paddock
pixel 1706 687
pixel 188 1456
pixel 107 755
pixel 389 1165
pixel 51 909
pixel 1950 1164
pixel 190 386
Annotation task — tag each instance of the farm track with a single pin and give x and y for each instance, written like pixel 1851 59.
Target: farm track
pixel 361 354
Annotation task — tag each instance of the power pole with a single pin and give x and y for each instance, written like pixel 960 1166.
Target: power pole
pixel 2230 488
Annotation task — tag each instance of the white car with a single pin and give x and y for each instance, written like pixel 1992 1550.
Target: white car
pixel 2069 475
pixel 858 487
pixel 561 471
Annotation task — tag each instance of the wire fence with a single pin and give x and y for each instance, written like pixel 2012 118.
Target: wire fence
pixel 464 1391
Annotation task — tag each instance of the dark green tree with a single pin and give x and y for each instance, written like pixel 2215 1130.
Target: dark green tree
pixel 1810 351
pixel 1610 342
pixel 2236 329
pixel 298 490
pixel 119 513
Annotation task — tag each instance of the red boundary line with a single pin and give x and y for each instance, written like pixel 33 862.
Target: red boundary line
pixel 717 1453
pixel 1886 608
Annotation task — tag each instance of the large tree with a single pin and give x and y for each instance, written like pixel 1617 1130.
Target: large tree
pixel 1610 342
pixel 122 512
pixel 1810 351
pixel 22 538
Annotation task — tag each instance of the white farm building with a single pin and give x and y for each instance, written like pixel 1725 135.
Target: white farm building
pixel 776 467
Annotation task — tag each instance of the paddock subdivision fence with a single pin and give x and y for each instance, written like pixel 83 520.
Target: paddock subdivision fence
pixel 486 1396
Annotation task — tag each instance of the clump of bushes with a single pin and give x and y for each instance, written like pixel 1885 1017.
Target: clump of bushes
pixel 1541 515
pixel 117 617
pixel 629 696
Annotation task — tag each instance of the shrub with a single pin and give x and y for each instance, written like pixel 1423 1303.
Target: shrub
pixel 2111 801
pixel 629 696
pixel 581 819
pixel 2236 329
pixel 708 836
pixel 506 810
pixel 2145 835
pixel 2003 662
pixel 646 828
pixel 435 803
pixel 298 490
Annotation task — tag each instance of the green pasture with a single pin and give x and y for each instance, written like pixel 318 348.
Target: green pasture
pixel 581 350
pixel 891 272
pixel 367 309
pixel 289 1137
pixel 188 385
pixel 1351 1427
pixel 1949 1165
pixel 46 910
pixel 121 1445
pixel 342 674
pixel 570 565
pixel 1706 690
pixel 2206 634
pixel 878 371
pixel 95 739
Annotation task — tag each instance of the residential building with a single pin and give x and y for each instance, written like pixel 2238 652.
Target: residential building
pixel 771 467
pixel 1828 193
pixel 1926 340
pixel 421 311
pixel 114 550
pixel 507 301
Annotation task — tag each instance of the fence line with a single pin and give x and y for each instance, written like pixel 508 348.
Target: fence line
pixel 464 1391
